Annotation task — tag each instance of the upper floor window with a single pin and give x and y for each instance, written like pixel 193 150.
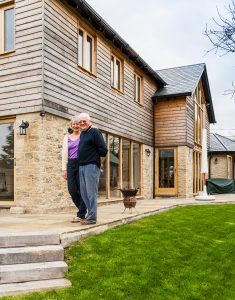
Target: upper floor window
pixel 86 50
pixel 7 29
pixel 198 114
pixel 116 73
pixel 138 89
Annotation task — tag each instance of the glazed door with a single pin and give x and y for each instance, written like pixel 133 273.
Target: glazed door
pixel 166 172
pixel 6 160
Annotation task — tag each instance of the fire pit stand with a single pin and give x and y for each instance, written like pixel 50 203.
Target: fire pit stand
pixel 129 199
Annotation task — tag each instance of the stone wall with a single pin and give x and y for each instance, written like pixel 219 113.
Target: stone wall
pixel 147 173
pixel 39 185
pixel 185 171
pixel 220 168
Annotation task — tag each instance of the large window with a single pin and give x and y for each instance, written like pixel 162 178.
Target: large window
pixel 126 164
pixel 103 175
pixel 86 49
pixel 116 73
pixel 198 114
pixel 6 161
pixel 197 176
pixel 138 89
pixel 7 29
pixel 122 168
pixel 114 166
pixel 136 166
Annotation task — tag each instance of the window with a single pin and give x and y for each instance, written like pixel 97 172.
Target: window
pixel 114 167
pixel 197 176
pixel 86 50
pixel 116 73
pixel 122 167
pixel 198 115
pixel 7 160
pixel 138 89
pixel 7 29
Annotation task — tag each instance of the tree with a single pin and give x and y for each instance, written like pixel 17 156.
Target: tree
pixel 7 155
pixel 222 37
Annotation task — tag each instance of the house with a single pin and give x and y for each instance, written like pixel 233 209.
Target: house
pixel 221 157
pixel 182 108
pixel 59 58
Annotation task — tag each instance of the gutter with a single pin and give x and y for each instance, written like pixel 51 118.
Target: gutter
pixel 87 12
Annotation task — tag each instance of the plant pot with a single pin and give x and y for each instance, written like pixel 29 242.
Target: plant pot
pixel 129 199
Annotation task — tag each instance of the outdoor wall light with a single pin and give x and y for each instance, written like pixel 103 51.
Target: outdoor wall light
pixel 23 126
pixel 148 152
pixel 42 113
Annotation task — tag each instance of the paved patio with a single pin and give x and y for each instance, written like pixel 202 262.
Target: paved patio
pixel 110 215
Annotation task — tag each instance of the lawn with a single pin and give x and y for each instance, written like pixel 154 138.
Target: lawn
pixel 185 253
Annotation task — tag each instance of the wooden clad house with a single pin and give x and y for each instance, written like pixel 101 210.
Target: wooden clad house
pixel 182 108
pixel 59 58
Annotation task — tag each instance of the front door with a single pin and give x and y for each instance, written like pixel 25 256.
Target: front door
pixel 166 172
pixel 6 160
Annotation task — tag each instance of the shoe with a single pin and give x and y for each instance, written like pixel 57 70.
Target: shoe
pixel 87 222
pixel 77 220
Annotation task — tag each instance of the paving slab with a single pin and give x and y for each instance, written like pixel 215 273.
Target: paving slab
pixel 107 215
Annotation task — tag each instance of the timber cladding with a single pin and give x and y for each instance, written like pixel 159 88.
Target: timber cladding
pixel 68 85
pixel 170 122
pixel 21 70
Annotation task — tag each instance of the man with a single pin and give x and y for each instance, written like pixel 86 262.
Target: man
pixel 92 152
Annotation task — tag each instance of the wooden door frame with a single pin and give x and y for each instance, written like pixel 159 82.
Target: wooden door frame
pixel 6 121
pixel 166 191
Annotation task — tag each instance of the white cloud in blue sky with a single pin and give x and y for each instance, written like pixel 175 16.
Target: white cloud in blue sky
pixel 169 34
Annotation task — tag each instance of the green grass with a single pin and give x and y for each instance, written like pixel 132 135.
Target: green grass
pixel 185 253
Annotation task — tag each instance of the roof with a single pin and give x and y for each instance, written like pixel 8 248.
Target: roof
pixel 182 81
pixel 87 12
pixel 220 143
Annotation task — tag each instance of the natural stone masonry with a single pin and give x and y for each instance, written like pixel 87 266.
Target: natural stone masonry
pixel 31 262
pixel 30 272
pixel 33 286
pixel 28 239
pixel 38 164
pixel 23 255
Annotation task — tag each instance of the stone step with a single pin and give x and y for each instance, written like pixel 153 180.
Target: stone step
pixel 33 286
pixel 30 272
pixel 24 255
pixel 28 239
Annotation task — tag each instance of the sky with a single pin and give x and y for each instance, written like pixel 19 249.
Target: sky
pixel 169 34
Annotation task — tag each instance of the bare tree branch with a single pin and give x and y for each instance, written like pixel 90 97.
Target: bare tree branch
pixel 222 37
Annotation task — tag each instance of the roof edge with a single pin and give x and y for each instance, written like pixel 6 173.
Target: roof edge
pixel 87 12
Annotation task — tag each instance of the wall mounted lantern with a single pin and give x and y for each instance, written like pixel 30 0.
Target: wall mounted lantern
pixel 148 152
pixel 23 126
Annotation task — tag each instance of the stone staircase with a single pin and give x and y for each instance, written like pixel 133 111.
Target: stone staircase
pixel 31 262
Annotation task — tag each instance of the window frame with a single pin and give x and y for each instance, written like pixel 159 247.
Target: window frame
pixel 86 34
pixel 120 170
pixel 199 114
pixel 118 87
pixel 138 96
pixel 3 7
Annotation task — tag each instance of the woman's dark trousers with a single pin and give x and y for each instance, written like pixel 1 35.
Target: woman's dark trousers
pixel 73 187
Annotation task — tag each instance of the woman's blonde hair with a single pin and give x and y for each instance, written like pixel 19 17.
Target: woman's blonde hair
pixel 74 119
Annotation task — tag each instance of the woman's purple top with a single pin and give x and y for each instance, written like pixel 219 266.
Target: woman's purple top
pixel 73 148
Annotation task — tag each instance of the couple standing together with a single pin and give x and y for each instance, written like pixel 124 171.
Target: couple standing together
pixel 83 154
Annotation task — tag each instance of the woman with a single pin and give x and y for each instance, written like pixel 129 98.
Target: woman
pixel 70 168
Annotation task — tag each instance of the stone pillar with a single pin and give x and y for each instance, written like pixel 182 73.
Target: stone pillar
pixel 39 186
pixel 185 171
pixel 147 173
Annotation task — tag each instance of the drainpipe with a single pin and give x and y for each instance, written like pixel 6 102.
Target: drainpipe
pixel 209 171
pixel 154 156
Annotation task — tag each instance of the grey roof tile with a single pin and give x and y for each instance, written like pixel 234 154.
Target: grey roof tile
pixel 220 143
pixel 180 80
